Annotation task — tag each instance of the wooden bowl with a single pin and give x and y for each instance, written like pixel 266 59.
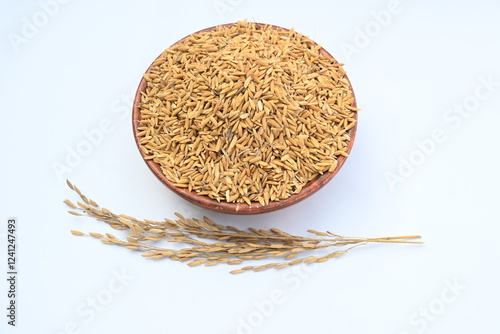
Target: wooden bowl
pixel 238 208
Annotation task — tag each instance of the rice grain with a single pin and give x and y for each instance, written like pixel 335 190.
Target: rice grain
pixel 246 113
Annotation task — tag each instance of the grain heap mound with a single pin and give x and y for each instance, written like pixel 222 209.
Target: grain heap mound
pixel 245 113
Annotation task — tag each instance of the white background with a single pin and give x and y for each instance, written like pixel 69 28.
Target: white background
pixel 411 70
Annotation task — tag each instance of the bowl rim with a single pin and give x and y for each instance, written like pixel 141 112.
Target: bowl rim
pixel 309 188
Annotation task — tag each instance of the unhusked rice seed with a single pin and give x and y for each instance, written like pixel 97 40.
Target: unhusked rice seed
pixel 246 113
